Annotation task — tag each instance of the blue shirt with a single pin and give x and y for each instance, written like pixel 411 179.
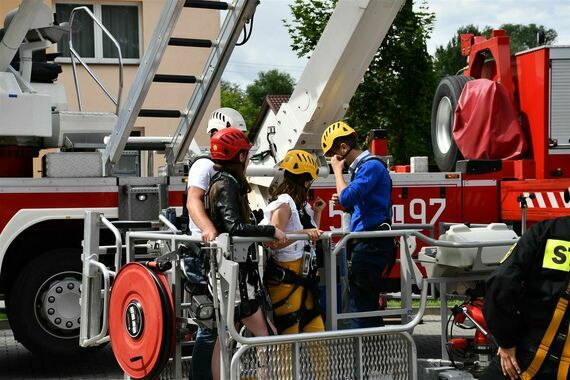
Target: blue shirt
pixel 368 194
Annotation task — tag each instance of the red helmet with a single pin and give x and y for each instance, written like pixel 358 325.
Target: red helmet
pixel 227 142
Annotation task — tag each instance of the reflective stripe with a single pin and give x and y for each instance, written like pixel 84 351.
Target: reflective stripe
pixel 556 255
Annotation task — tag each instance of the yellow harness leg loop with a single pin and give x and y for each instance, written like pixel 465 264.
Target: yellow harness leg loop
pixel 546 341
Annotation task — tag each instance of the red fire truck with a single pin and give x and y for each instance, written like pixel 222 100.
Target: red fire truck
pixel 41 220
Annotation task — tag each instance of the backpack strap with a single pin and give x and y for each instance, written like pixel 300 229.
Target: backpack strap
pixel 191 162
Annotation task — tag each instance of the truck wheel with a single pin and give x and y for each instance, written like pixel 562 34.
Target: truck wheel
pixel 445 102
pixel 44 306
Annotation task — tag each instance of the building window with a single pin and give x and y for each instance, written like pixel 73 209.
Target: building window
pixel 122 21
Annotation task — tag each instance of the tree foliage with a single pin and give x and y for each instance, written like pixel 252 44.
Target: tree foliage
pixel 234 97
pixel 448 59
pixel 272 82
pixel 397 90
pixel 248 102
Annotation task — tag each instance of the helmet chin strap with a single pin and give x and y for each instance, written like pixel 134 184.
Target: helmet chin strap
pixel 346 154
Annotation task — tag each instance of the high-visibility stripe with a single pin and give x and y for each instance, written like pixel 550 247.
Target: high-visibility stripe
pixel 552 199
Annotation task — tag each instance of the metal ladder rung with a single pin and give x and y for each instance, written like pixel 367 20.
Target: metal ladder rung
pixel 173 78
pixel 172 114
pixel 205 4
pixel 191 42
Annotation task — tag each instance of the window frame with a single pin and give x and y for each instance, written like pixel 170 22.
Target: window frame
pixel 98 33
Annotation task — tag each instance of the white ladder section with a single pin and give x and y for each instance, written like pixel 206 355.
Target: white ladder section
pixel 239 12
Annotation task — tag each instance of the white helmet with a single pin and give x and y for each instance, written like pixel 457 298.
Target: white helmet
pixel 224 118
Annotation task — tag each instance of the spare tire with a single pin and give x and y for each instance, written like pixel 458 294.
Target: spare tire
pixel 447 95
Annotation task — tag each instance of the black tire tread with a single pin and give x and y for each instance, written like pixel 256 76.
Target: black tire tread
pixel 454 85
pixel 22 317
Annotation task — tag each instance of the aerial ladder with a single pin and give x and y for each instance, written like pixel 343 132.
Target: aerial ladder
pixel 337 66
pixel 239 13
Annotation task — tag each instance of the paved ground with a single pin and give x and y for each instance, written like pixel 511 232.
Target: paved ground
pixel 17 363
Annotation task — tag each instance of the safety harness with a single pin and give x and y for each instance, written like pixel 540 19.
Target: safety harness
pixel 548 338
pixel 248 271
pixel 276 275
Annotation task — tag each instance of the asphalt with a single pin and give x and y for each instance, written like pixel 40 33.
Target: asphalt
pixel 18 363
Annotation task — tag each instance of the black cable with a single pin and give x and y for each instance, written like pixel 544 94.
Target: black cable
pixel 246 35
pixel 448 333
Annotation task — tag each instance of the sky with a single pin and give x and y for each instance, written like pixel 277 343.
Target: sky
pixel 270 45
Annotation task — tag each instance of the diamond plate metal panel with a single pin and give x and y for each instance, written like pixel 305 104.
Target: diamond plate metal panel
pixel 381 357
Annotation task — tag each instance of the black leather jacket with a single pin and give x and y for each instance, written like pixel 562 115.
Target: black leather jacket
pixel 225 198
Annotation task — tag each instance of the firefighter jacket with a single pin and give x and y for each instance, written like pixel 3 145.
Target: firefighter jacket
pixel 523 291
pixel 227 199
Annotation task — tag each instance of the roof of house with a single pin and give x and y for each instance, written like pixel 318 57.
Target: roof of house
pixel 272 102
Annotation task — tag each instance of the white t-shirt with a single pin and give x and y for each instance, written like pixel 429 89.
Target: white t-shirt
pixel 199 176
pixel 294 251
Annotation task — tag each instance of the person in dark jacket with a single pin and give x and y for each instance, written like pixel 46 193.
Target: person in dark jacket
pixel 526 296
pixel 368 198
pixel 229 211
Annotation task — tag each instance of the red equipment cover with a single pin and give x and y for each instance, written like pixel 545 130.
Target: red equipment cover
pixel 486 124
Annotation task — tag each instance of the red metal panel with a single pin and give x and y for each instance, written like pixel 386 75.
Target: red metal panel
pixel 499 48
pixel 175 198
pixel 480 201
pixel 14 202
pixel 549 202
pixel 531 81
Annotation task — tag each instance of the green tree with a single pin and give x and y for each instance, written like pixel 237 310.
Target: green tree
pixel 398 87
pixel 524 37
pixel 448 59
pixel 272 82
pixel 234 97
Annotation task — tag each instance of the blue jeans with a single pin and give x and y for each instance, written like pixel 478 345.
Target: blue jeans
pixel 371 260
pixel 202 354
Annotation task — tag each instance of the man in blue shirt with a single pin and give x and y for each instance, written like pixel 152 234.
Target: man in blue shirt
pixel 367 198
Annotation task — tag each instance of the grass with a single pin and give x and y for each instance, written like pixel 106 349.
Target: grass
pixel 430 303
pixel 3 316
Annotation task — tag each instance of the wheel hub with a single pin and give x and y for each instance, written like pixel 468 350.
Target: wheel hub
pixel 60 304
pixel 443 125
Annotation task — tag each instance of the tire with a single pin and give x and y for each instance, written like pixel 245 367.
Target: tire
pixel 44 307
pixel 445 102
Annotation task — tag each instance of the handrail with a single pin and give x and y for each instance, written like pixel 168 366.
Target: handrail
pixel 422 237
pixel 118 241
pixel 102 336
pixel 168 224
pixel 74 55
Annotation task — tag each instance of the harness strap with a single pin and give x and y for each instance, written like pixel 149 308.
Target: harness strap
pixel 548 337
pixel 564 366
pixel 276 274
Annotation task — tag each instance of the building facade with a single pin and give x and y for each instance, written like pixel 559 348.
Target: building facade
pixel 132 24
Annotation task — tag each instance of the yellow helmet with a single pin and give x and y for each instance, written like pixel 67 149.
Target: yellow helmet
pixel 300 162
pixel 338 129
